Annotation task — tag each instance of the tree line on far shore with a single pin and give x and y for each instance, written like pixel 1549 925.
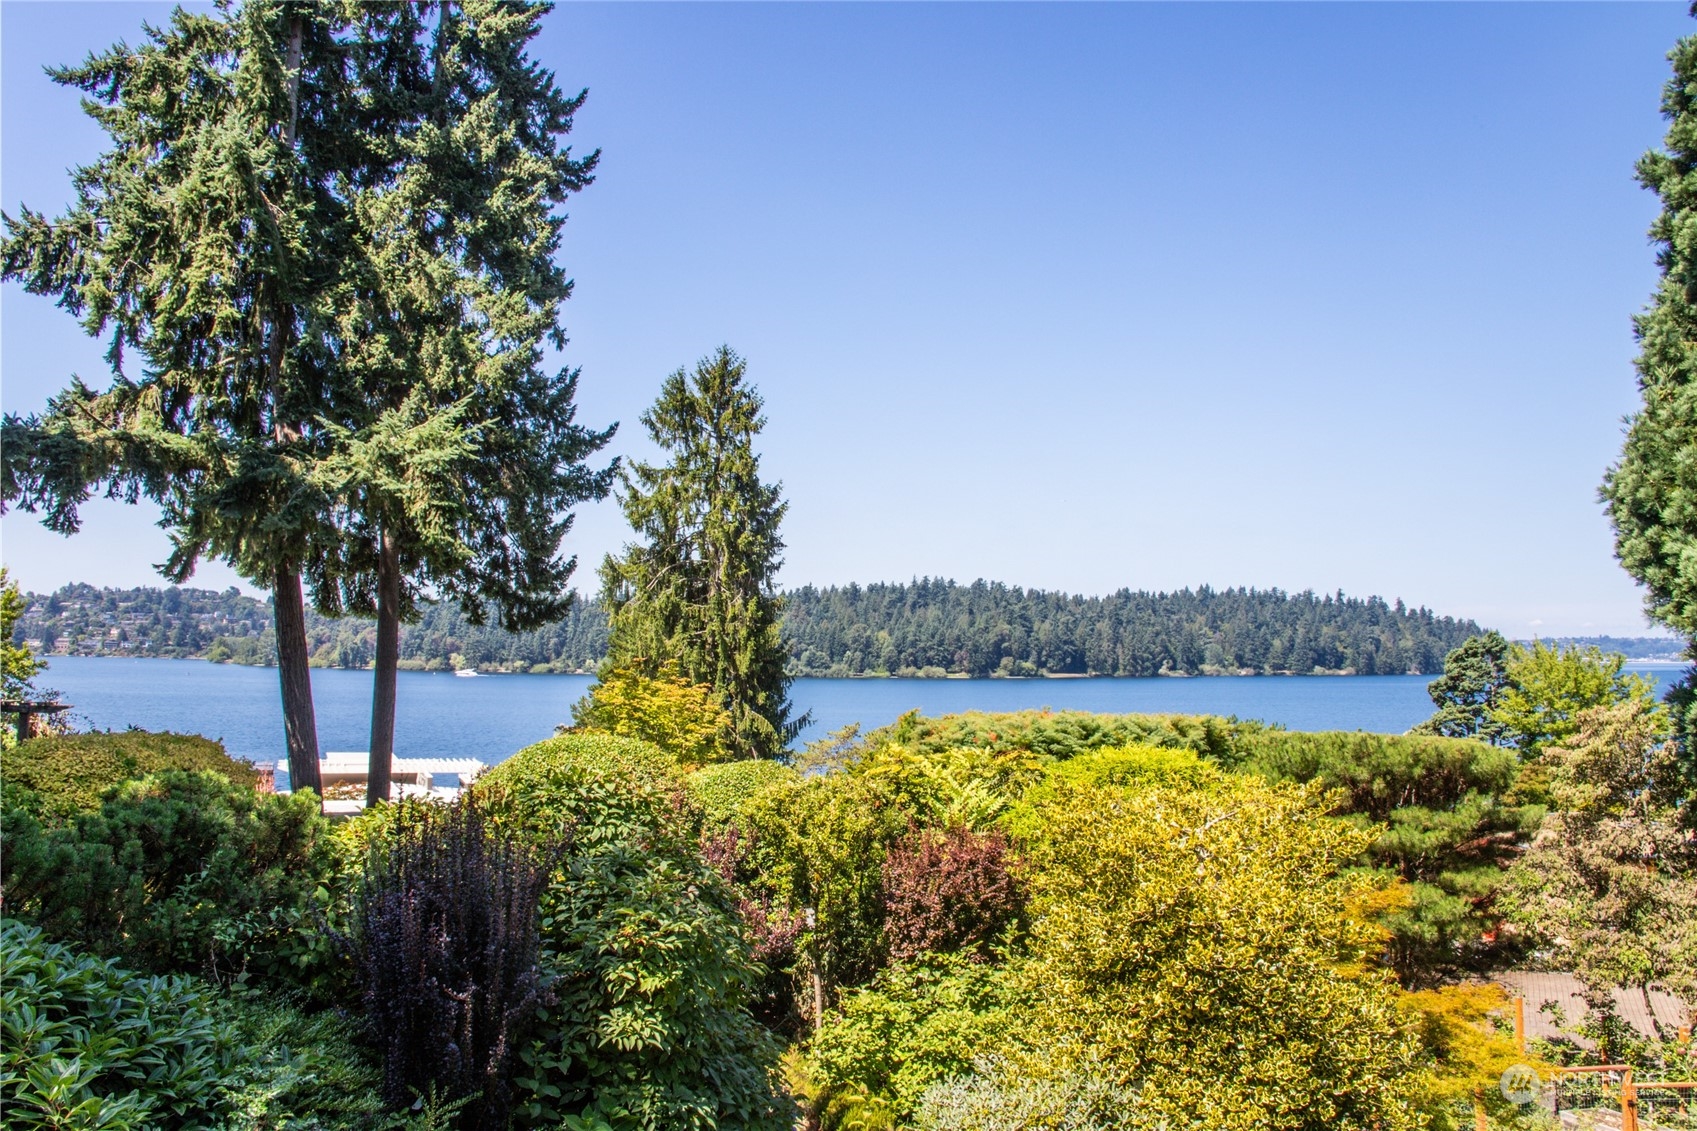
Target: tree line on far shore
pixel 925 627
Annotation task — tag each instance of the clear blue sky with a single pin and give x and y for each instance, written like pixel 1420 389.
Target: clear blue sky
pixel 1078 296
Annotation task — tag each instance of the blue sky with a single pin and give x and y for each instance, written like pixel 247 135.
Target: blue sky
pixel 1077 296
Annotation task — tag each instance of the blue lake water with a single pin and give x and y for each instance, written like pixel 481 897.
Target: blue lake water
pixel 490 717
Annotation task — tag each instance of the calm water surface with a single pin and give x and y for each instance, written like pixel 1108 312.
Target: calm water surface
pixel 491 716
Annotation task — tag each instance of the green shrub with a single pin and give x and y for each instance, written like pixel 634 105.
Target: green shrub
pixel 86 1044
pixel 179 872
pixel 71 773
pixel 1062 734
pixel 645 951
pixel 1445 821
pixel 912 1027
pixel 304 1071
pixel 720 791
pixel 819 844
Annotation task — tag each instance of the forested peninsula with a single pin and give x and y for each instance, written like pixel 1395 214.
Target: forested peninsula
pixel 927 628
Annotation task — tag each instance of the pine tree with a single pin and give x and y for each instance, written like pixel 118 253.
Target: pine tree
pixel 201 240
pixel 457 457
pixel 1651 494
pixel 699 590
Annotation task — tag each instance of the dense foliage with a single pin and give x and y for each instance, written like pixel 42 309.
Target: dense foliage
pixel 17 666
pixel 1444 822
pixel 176 872
pixel 1651 492
pixel 988 628
pixel 87 1044
pixel 1610 883
pixel 183 622
pixel 642 943
pixel 70 773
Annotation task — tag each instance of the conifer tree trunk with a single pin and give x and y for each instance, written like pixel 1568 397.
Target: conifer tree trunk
pixel 300 725
pixel 388 656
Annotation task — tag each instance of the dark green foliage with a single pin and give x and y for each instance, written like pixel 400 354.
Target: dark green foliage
pixel 176 622
pixel 1450 825
pixel 180 871
pixel 70 773
pixel 698 590
pixel 448 955
pixel 649 961
pixel 86 1044
pixel 312 1070
pixel 1061 734
pixel 823 634
pixel 988 628
pixel 1475 676
pixel 1651 494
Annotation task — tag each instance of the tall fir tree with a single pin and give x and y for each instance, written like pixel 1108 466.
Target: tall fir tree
pixel 699 590
pixel 1651 494
pixel 457 458
pixel 201 240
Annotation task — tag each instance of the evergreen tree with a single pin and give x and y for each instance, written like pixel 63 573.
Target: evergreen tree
pixel 201 240
pixel 1466 695
pixel 457 457
pixel 1651 494
pixel 699 590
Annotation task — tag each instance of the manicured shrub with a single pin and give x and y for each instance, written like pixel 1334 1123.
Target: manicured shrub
pixel 720 791
pixel 448 954
pixel 948 891
pixel 179 872
pixel 650 966
pixel 1062 734
pixel 71 773
pixel 85 1043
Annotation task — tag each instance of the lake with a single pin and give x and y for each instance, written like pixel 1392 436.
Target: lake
pixel 490 717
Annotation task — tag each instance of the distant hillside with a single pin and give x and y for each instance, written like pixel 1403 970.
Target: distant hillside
pixel 228 627
pixel 922 628
pixel 988 628
pixel 1632 647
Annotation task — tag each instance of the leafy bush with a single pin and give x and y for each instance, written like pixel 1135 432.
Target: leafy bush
pixel 448 954
pixel 913 1026
pixel 720 791
pixel 684 719
pixel 179 872
pixel 1212 945
pixel 1446 824
pixel 1063 734
pixel 948 891
pixel 70 773
pixel 86 1044
pixel 650 967
pixel 817 847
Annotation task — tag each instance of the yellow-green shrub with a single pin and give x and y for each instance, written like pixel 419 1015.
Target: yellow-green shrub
pixel 70 773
